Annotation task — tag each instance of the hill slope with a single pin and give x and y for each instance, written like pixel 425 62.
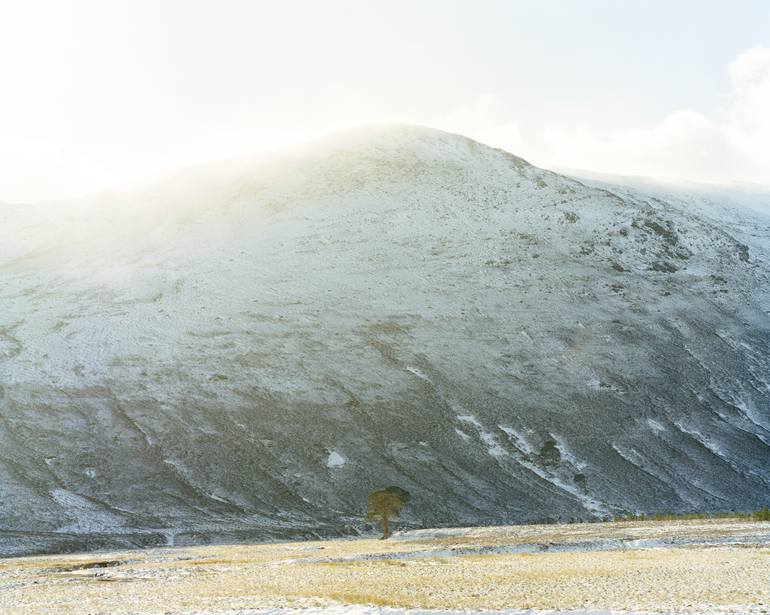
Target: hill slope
pixel 246 350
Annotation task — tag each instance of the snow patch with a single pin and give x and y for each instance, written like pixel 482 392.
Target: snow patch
pixel 630 455
pixel 518 440
pixel 656 426
pixel 170 535
pixel 493 446
pixel 705 440
pixel 335 460
pixel 567 454
pixel 469 418
pixel 521 443
pixel 421 375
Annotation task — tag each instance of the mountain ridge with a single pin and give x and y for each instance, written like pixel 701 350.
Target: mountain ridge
pixel 248 353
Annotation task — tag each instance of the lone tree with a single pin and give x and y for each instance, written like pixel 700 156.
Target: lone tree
pixel 384 504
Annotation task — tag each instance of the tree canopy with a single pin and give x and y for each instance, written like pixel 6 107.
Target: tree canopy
pixel 385 504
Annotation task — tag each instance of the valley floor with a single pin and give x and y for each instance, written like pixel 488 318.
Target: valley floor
pixel 713 566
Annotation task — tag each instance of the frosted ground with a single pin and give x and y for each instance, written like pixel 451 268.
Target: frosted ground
pixel 245 351
pixel 630 567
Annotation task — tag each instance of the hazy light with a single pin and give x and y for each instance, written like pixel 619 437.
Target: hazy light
pixel 102 93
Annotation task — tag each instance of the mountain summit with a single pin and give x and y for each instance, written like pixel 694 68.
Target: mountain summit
pixel 248 349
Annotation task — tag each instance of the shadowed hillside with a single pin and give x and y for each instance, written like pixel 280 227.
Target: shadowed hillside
pixel 247 350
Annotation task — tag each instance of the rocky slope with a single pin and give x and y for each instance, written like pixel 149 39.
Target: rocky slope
pixel 246 350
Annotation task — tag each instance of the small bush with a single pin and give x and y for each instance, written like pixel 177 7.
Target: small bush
pixel 759 515
pixel 763 514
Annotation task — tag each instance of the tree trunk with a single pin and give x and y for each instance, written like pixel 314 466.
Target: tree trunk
pixel 385 526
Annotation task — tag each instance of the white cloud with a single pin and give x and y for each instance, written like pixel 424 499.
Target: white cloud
pixel 484 119
pixel 733 146
pixel 44 157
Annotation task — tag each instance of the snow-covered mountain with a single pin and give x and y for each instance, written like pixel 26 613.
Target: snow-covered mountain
pixel 247 349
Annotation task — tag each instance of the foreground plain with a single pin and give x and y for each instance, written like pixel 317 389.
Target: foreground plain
pixel 661 567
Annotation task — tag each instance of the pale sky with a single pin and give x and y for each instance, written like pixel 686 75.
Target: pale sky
pixel 97 94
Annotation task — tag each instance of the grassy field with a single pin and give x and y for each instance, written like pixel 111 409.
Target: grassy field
pixel 672 566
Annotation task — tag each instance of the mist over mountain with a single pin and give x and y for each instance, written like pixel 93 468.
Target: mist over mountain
pixel 247 349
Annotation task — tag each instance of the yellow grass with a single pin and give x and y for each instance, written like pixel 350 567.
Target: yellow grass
pixel 683 579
